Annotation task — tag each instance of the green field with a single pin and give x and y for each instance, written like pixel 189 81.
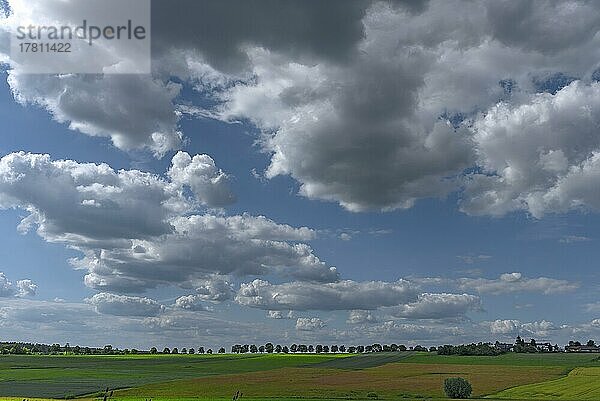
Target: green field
pixel 389 376
pixel 579 384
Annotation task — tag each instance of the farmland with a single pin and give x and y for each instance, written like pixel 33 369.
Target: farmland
pixel 401 375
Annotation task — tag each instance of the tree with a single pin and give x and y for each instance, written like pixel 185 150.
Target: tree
pixel 261 349
pixel 191 351
pixel 175 351
pixel 269 348
pixel 209 351
pixel 360 349
pixel 285 349
pixel 278 348
pixel 153 350
pixel 184 350
pixel 319 349
pixel 293 348
pixel 221 350
pixel 457 387
pixel 311 348
pixel 253 349
pixel 402 347
pixel 166 350
pixel 201 350
pixel 342 348
pixel 591 343
pixel 334 348
pixel 326 349
pixel 351 349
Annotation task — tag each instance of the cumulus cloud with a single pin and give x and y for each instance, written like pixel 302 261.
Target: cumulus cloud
pixel 138 230
pixel 438 306
pixel 129 123
pixel 342 295
pixel 361 317
pixel 349 134
pixel 123 305
pixel 382 132
pixel 504 284
pixel 514 327
pixel 77 202
pixel 49 322
pixel 401 101
pixel 541 156
pixel 516 282
pixel 207 182
pixel 190 302
pixel 277 314
pixel 26 288
pixel 21 288
pixel 204 245
pixel 309 324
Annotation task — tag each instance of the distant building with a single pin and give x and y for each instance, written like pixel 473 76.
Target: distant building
pixel 504 347
pixel 582 348
pixel 547 347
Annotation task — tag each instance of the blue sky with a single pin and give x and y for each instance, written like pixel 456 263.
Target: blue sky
pixel 478 228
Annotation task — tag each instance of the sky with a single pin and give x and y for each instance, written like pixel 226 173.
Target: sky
pixel 347 172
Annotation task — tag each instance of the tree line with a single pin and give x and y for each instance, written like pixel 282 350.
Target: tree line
pixel 484 349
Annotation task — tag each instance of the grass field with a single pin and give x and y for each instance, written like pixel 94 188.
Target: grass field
pixel 579 384
pixel 406 376
pixel 60 376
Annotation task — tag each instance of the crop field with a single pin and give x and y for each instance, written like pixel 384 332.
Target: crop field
pixel 386 376
pixel 579 384
pixel 60 376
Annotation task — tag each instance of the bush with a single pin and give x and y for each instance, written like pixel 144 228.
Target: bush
pixel 457 387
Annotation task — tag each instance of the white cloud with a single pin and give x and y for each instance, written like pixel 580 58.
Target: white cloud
pixel 204 245
pixel 438 306
pixel 516 327
pixel 123 305
pixel 26 288
pixel 570 239
pixel 504 326
pixel 208 183
pixel 516 282
pixel 277 314
pixel 368 114
pixel 107 106
pixel 86 206
pixel 361 317
pixel 22 288
pixel 541 156
pixel 342 295
pixel 190 302
pixel 309 324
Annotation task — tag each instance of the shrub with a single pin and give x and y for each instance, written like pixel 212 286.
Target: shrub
pixel 457 387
